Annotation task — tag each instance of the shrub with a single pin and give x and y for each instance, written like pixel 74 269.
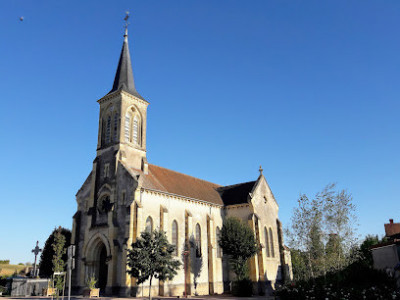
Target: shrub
pixel 357 281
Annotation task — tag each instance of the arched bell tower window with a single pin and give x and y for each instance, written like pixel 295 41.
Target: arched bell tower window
pixel 135 132
pixel 115 129
pixel 133 127
pixel 109 126
pixel 127 127
pixel 108 129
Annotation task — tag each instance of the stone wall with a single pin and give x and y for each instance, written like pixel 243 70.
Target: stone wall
pixel 28 286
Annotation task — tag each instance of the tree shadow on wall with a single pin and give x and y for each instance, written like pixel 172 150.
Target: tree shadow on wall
pixel 194 260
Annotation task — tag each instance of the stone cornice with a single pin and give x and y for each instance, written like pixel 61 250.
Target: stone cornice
pixel 121 92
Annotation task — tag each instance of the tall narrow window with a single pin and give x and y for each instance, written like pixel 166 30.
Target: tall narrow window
pixel 135 130
pixel 108 129
pixel 219 249
pixel 271 237
pixel 198 240
pixel 175 237
pixel 103 132
pixel 149 224
pixel 127 127
pixel 115 129
pixel 266 241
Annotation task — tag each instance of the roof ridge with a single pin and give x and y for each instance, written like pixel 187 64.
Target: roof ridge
pixel 218 185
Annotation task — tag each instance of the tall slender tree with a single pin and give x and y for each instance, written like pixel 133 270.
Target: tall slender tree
pixel 58 262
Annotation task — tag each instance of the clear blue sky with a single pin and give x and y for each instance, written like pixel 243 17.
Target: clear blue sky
pixel 308 89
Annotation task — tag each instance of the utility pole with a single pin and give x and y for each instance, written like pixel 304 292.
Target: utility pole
pixel 70 267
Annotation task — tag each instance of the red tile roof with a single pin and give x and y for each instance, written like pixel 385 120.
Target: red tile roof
pixel 184 185
pixel 172 182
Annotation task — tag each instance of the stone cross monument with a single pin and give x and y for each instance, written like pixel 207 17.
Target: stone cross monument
pixel 36 251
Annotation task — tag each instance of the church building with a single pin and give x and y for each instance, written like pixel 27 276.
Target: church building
pixel 125 195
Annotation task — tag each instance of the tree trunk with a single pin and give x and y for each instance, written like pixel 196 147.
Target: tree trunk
pixel 151 277
pixel 310 265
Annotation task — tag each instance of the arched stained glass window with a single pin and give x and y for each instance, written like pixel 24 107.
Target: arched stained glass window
pixel 149 224
pixel 108 129
pixel 175 236
pixel 266 242
pixel 219 249
pixel 271 237
pixel 198 240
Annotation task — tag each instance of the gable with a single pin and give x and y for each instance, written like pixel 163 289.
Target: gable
pixel 84 191
pixel 262 196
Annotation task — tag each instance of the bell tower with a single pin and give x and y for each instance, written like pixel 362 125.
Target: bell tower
pixel 123 116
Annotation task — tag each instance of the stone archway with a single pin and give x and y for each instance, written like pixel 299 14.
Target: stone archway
pixel 97 258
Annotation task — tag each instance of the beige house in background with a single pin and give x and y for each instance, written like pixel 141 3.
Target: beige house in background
pixel 124 195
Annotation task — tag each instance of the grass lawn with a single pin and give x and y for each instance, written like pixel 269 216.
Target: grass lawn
pixel 8 270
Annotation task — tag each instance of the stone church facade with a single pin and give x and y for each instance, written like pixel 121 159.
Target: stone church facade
pixel 125 195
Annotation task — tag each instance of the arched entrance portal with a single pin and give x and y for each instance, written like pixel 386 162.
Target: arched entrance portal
pixel 97 260
pixel 102 268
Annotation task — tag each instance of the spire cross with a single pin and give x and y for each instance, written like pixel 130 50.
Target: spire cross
pixel 261 170
pixel 126 20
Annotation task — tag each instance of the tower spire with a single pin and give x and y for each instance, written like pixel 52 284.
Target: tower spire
pixel 124 76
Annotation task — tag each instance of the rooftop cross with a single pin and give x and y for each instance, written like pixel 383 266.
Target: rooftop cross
pixel 261 170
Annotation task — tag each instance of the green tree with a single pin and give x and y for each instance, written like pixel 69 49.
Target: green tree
pixel 152 256
pixel 58 262
pixel 237 240
pixel 46 258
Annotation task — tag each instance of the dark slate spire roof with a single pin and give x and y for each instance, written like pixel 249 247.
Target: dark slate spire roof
pixel 124 75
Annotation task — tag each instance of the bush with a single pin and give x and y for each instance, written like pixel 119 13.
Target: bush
pixel 5 262
pixel 357 281
pixel 242 288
